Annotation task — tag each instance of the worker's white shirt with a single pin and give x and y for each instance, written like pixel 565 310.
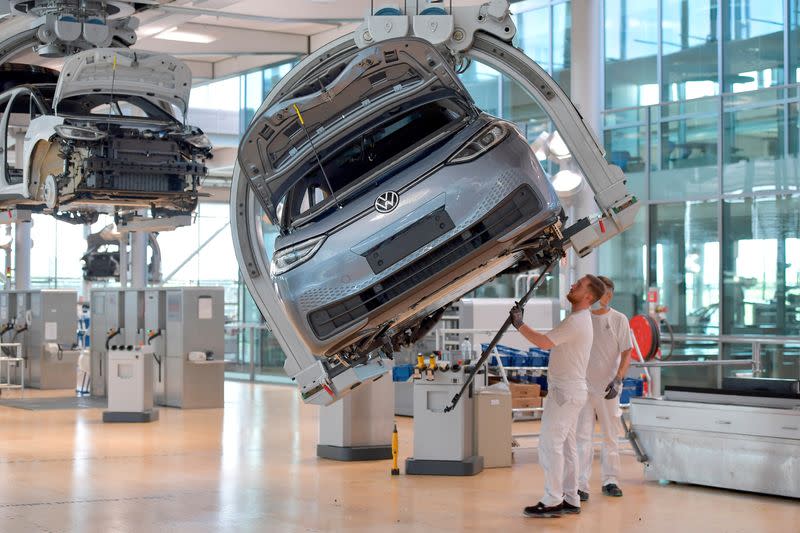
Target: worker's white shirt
pixel 612 336
pixel 570 355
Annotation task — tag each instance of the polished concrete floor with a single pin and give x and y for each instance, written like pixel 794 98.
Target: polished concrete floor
pixel 252 467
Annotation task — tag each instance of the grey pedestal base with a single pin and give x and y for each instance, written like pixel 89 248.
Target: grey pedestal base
pixel 354 453
pixel 425 467
pixel 122 416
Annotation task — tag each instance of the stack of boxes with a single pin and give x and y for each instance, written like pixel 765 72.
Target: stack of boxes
pixel 525 395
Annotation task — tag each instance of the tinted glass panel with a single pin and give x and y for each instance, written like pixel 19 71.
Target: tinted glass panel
pixel 762 265
pixel 684 251
pixel 753 33
pixel 689 45
pixel 631 46
pixel 383 144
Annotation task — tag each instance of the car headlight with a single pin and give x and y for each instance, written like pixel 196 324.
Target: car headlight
pixel 78 133
pixel 288 258
pixel 480 144
pixel 199 141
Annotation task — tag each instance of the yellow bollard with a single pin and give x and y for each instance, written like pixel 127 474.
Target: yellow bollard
pixel 395 450
pixel 420 367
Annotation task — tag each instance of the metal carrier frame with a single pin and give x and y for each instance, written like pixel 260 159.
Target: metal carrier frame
pixel 482 33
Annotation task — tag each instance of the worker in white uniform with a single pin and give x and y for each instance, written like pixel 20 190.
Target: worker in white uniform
pixel 569 343
pixel 608 364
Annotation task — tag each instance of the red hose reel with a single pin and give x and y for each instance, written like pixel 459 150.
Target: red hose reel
pixel 646 331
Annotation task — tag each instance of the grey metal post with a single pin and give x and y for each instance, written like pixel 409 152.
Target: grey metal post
pixel 123 259
pixel 585 78
pixel 139 259
pixel 756 359
pixel 22 254
pixel 86 286
pixel 7 269
pixel 252 354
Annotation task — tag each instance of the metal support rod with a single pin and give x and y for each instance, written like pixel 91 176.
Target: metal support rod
pixel 86 286
pixel 123 259
pixel 757 359
pixel 713 362
pixel 252 355
pixel 496 339
pixel 139 259
pixel 22 255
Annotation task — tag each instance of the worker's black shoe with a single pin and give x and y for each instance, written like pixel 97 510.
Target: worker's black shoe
pixel 612 490
pixel 584 496
pixel 568 508
pixel 540 510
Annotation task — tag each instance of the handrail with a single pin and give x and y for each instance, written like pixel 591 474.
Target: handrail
pixel 247 325
pixel 711 97
pixel 708 362
pixel 740 339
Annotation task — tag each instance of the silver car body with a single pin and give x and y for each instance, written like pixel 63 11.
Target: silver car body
pixel 459 216
pixel 108 136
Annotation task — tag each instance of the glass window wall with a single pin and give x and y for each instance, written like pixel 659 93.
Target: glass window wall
pixel 794 41
pixel 624 260
pixel 762 265
pixel 753 44
pixel 631 48
pixel 684 264
pixel 687 156
pixel 689 48
pixel 761 141
pixel 628 149
pixel 562 31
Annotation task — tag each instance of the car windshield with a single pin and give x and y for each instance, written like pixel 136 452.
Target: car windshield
pixel 105 105
pixel 391 141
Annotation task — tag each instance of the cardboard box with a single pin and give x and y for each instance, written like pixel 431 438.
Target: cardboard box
pixel 526 403
pixel 525 390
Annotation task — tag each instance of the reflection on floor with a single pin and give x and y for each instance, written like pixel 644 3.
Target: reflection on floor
pixel 252 467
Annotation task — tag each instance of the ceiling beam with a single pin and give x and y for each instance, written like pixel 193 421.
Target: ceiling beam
pixel 320 39
pixel 241 64
pixel 201 70
pixel 228 42
pixel 259 18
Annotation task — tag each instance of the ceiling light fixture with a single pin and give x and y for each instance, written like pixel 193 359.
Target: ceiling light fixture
pixel 567 183
pixel 149 30
pixel 186 37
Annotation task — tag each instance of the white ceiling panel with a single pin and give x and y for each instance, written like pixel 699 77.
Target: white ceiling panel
pixel 241 35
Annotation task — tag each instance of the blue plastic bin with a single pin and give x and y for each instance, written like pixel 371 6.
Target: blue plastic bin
pixel 631 388
pixel 402 373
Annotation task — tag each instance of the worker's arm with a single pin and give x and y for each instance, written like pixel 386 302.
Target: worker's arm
pixel 624 363
pixel 539 339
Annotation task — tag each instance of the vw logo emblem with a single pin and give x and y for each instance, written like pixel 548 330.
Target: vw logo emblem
pixel 387 202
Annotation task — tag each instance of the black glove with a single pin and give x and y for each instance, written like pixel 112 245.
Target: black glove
pixel 613 389
pixel 516 316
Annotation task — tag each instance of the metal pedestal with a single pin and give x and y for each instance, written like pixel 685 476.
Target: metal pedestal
pixel 729 446
pixel 359 426
pixel 443 442
pixel 130 385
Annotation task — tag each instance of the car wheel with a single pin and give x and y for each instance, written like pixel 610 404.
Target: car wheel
pixel 50 192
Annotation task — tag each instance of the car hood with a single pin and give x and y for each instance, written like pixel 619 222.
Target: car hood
pixel 120 71
pixel 315 113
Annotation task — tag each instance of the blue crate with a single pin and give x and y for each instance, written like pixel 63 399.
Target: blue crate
pixel 538 360
pixel 401 373
pixel 541 380
pixel 538 351
pixel 631 388
pixel 519 360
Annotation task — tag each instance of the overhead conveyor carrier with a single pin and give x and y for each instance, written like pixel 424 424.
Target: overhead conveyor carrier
pixel 480 33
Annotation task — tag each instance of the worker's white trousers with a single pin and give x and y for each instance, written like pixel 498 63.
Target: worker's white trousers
pixel 608 414
pixel 558 455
